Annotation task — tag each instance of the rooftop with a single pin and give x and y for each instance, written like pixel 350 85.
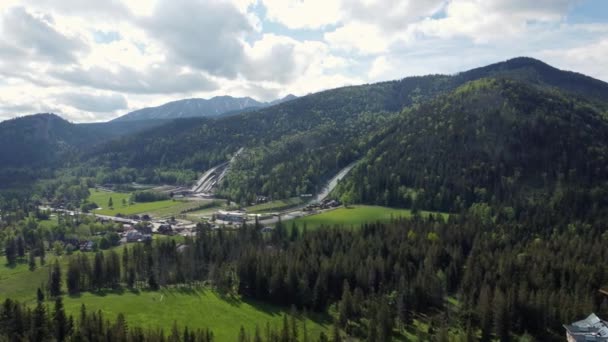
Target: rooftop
pixel 591 328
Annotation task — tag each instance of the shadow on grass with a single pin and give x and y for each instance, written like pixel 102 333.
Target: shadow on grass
pixel 322 319
pixel 105 292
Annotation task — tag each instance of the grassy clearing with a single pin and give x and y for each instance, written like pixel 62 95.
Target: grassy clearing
pixel 51 222
pixel 137 208
pixel 353 216
pixel 18 282
pixel 196 308
pixel 102 198
pixel 178 208
pixel 275 205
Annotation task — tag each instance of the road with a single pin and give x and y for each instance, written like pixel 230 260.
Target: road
pixel 214 176
pixel 331 185
pixel 296 212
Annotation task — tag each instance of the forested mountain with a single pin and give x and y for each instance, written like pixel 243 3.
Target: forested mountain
pixel 32 143
pixel 293 147
pixel 42 139
pixel 322 130
pixel 191 108
pixel 493 141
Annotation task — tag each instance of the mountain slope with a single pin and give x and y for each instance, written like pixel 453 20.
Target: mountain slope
pixel 43 140
pixel 291 148
pixel 491 140
pixel 190 108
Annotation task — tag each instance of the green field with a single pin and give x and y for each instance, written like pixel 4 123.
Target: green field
pixel 102 198
pixel 19 282
pixel 275 205
pixel 353 216
pixel 195 308
pixel 181 207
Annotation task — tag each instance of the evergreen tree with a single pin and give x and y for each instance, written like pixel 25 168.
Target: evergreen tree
pixel 10 251
pixel 501 316
pixel 55 280
pixel 32 261
pixel 60 321
pixel 20 246
pixel 39 296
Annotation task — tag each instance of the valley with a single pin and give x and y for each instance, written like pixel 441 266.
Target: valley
pixel 440 207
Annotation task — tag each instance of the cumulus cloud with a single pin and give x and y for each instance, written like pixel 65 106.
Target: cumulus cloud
pixel 298 14
pixel 25 35
pixel 589 59
pixel 155 80
pixel 94 102
pixel 207 35
pixel 90 60
pixel 483 21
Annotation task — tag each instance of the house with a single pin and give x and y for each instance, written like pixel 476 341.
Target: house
pixel 181 248
pixel 231 216
pixel 165 229
pixel 261 199
pixel 267 230
pixel 87 246
pixel 591 328
pixel 134 236
pixel 144 229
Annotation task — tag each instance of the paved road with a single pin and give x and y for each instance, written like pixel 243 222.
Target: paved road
pixel 296 212
pixel 331 185
pixel 214 175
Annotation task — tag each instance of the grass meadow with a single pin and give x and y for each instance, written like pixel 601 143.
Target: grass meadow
pixel 353 216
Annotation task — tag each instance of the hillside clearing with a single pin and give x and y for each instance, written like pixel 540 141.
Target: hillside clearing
pixel 354 216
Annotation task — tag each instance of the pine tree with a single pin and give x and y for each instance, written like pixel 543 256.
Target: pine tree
pixel 98 276
pixel 335 334
pixel 257 337
pixel 32 261
pixel 175 336
pixel 484 309
pixel 39 324
pixel 110 203
pixel 42 252
pixel 55 280
pixel 120 328
pixel 39 295
pixel 501 316
pixel 73 277
pixel 10 251
pixel 60 321
pixel 20 246
pixel 345 309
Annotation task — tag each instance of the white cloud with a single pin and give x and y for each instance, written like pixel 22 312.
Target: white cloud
pixel 483 21
pixel 361 37
pixel 80 57
pixel 207 35
pixel 34 37
pixel 94 102
pixel 380 67
pixel 299 14
pixel 589 59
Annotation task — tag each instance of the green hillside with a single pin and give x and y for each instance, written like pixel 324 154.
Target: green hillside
pixel 292 148
pixel 493 141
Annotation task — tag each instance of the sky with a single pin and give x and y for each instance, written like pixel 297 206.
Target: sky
pixel 91 60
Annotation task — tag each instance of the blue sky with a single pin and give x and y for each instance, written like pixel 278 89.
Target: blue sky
pixel 93 61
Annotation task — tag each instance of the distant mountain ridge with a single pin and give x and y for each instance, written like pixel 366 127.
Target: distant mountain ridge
pixel 47 139
pixel 195 107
